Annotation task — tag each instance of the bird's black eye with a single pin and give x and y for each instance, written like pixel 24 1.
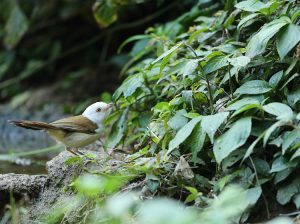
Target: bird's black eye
pixel 98 110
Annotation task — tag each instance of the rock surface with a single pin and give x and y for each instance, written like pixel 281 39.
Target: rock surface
pixel 45 190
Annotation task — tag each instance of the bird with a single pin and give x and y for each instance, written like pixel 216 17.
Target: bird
pixel 76 131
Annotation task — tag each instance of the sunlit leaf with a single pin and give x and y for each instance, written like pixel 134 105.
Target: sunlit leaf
pixel 235 137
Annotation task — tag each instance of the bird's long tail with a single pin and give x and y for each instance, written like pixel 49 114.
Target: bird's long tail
pixel 35 125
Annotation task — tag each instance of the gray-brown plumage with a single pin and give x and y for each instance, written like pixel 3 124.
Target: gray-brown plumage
pixel 77 131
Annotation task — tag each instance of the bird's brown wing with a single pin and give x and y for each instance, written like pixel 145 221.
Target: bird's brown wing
pixel 76 124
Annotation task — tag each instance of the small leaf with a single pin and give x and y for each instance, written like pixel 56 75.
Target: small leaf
pixel 241 61
pixel 294 96
pixel 190 67
pixel 183 133
pixel 275 79
pixel 254 87
pixel 280 110
pixel 15 27
pixel 235 137
pixel 290 138
pixel 287 38
pixel 129 86
pixel 168 52
pixel 211 123
pixel 105 12
pixel 251 5
pixel 118 130
pixel 281 164
pixel 242 102
pixel 285 193
pixel 195 142
pixel 215 63
pixel 178 121
pixel 259 41
pixel 247 20
pixel 271 129
pixel 183 169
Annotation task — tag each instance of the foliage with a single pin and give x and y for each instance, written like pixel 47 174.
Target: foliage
pixel 219 88
pixel 208 100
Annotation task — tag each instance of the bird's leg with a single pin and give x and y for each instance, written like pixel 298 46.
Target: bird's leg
pixel 71 151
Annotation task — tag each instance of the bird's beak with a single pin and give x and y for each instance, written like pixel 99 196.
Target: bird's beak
pixel 110 105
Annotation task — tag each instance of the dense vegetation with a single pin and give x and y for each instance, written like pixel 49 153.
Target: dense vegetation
pixel 210 101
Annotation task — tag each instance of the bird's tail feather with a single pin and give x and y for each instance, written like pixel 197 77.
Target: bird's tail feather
pixel 35 125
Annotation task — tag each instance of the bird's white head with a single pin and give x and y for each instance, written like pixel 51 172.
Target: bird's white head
pixel 97 112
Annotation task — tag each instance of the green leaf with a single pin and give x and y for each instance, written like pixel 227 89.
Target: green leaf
pixel 281 164
pixel 296 200
pixel 190 67
pixel 241 61
pixel 129 86
pixel 196 141
pixel 235 137
pixel 178 121
pixel 168 52
pixel 252 195
pixel 271 129
pixel 254 87
pixel 105 12
pixel 250 5
pixel 246 108
pixel 247 20
pixel 290 138
pixel 215 63
pixel 294 96
pixel 259 41
pixel 183 133
pixel 211 123
pixel 118 130
pixel 285 193
pixel 73 160
pixel 275 79
pixel 242 102
pixel 287 38
pixel 15 27
pixel 280 110
pixel 131 39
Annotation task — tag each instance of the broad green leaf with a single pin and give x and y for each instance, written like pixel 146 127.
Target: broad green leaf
pixel 251 147
pixel 290 139
pixel 296 154
pixel 129 86
pixel 271 129
pixel 281 175
pixel 285 193
pixel 242 102
pixel 287 38
pixel 246 108
pixel 168 52
pixel 105 12
pixel 275 79
pixel 252 195
pixel 15 27
pixel 190 67
pixel 211 123
pixel 294 96
pixel 281 164
pixel 118 130
pixel 247 20
pixel 250 5
pixel 183 133
pixel 254 87
pixel 280 110
pixel 296 200
pixel 235 137
pixel 131 39
pixel 215 63
pixel 178 121
pixel 259 41
pixel 196 141
pixel 241 61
